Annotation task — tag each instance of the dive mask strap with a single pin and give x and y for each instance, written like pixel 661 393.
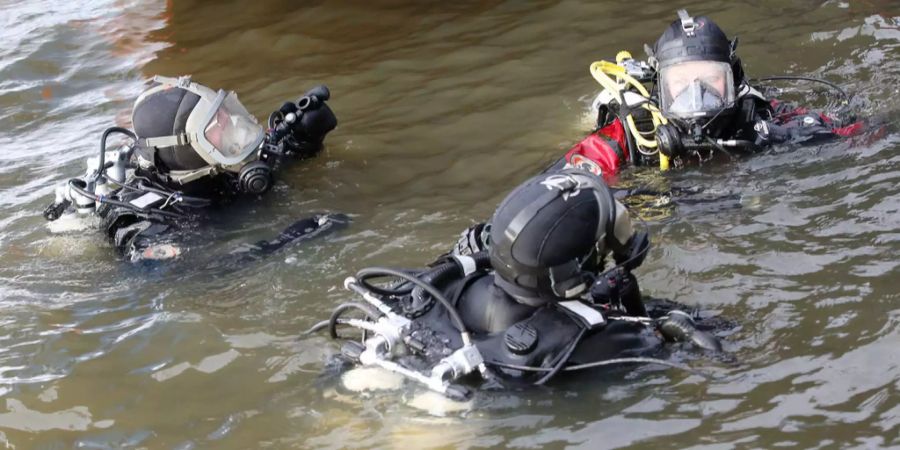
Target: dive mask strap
pixel 732 47
pixel 183 81
pixel 166 141
pixel 517 224
pixel 651 58
pixel 186 176
pixel 605 200
pixel 567 280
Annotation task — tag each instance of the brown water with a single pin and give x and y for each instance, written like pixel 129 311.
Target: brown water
pixel 443 108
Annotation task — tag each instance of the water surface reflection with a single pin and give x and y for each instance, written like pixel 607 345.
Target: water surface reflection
pixel 443 109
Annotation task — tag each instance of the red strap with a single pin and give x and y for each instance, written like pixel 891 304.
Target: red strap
pixel 849 130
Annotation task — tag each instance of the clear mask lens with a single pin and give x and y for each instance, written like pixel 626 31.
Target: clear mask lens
pixel 232 130
pixel 698 97
pixel 696 88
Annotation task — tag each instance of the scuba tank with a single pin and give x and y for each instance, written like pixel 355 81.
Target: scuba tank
pixel 104 185
pixel 462 328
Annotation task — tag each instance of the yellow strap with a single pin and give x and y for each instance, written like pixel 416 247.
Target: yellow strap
pixel 602 72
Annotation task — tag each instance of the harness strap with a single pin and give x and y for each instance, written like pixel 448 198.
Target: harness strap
pixel 186 176
pixel 166 141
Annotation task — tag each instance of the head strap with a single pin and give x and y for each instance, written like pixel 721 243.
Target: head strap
pixel 186 176
pixel 567 183
pixel 183 81
pixel 166 141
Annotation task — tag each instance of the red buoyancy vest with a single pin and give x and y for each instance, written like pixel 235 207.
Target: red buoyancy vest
pixel 602 152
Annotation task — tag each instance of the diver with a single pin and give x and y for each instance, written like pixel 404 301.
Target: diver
pixel 192 148
pixel 701 104
pixel 527 299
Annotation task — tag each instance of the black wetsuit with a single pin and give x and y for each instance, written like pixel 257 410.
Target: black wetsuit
pixel 765 121
pixel 507 331
pixel 156 226
pixel 757 123
pixel 544 338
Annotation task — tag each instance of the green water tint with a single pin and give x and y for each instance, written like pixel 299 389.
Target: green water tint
pixel 443 109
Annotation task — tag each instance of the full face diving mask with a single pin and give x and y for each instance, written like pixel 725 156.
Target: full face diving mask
pixel 217 128
pixel 696 89
pixel 696 96
pixel 696 66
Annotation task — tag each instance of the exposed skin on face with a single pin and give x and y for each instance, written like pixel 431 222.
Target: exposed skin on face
pixel 232 128
pixel 217 128
pixel 680 76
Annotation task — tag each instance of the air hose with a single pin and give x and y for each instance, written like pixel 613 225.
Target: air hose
pixel 591 365
pixel 447 271
pixel 834 86
pixel 335 319
pixel 104 199
pixel 379 272
pixel 197 202
pixel 106 133
pixel 603 71
pixel 341 309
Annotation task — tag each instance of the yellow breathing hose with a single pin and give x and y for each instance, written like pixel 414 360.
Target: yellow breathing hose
pixel 602 72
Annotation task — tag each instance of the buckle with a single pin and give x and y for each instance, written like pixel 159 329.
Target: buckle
pixel 182 81
pixel 687 22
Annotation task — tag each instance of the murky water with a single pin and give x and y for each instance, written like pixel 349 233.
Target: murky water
pixel 443 109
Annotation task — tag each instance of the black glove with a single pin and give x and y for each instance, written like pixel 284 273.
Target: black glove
pixel 305 135
pixel 806 128
pixel 678 326
pixel 288 107
pixel 316 119
pixel 619 289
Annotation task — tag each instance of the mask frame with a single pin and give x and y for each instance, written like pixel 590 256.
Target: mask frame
pixel 195 129
pixel 725 76
pixel 213 155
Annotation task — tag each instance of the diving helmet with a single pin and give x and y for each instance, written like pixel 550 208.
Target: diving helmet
pixel 194 132
pixel 698 72
pixel 548 233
